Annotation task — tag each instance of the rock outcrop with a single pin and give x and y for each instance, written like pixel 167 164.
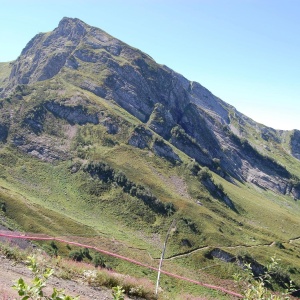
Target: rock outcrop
pixel 73 114
pixel 45 55
pixel 140 138
pixel 163 150
pixel 295 144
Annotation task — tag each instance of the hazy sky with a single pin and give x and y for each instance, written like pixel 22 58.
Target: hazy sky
pixel 247 52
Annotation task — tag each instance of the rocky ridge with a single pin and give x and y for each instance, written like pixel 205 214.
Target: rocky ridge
pixel 182 112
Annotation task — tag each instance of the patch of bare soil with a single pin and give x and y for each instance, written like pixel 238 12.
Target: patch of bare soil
pixel 180 186
pixel 10 272
pixel 176 182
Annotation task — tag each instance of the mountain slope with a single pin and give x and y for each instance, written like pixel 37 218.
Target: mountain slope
pixel 99 133
pixel 94 61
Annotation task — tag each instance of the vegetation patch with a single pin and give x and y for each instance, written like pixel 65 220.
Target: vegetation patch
pixel 106 174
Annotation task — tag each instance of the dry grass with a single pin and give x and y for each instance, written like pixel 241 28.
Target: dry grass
pixel 81 272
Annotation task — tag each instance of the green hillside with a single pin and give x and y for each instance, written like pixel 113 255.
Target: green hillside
pixel 87 155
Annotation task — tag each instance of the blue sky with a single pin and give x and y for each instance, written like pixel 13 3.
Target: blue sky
pixel 244 51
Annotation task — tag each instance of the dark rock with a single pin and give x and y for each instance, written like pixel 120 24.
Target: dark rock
pixel 193 121
pixel 111 126
pixel 140 137
pixel 35 119
pixel 256 267
pixel 92 87
pixel 223 255
pixel 161 149
pixel 186 243
pixel 186 144
pixel 161 121
pixel 74 115
pixel 72 63
pixel 19 140
pixel 295 192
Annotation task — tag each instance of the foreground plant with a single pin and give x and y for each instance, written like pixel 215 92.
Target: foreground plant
pixel 256 289
pixel 118 293
pixel 35 291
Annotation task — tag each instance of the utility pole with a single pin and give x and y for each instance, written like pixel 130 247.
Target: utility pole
pixel 162 255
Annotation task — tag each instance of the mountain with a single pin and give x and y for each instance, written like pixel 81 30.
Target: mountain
pixel 91 126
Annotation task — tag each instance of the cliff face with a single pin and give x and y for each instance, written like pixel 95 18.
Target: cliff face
pixel 46 53
pixel 295 144
pixel 182 112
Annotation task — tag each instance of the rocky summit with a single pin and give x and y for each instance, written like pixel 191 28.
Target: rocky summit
pixel 120 130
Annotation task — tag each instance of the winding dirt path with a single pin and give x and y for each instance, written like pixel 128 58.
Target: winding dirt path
pixel 187 253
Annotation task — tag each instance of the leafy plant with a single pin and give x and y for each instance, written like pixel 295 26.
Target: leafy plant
pixel 256 288
pixel 118 293
pixel 35 291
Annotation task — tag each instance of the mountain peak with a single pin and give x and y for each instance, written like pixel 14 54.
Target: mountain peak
pixel 45 55
pixel 71 27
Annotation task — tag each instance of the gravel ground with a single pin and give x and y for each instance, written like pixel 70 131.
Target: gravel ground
pixel 11 271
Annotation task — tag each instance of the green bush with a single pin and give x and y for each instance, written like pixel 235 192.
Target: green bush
pixel 98 261
pixel 76 255
pixel 204 174
pixel 3 206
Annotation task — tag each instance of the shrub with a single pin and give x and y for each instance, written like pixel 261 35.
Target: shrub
pixel 220 187
pixel 194 167
pixel 3 206
pixel 204 174
pixel 98 261
pixel 86 253
pixel 279 245
pixel 76 255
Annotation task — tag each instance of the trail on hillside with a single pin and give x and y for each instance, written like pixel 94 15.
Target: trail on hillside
pixel 187 253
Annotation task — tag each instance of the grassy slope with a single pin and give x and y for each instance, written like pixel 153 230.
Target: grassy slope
pixel 5 69
pixel 59 204
pixel 68 207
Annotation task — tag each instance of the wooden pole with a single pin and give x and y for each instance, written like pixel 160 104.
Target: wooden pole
pixel 162 255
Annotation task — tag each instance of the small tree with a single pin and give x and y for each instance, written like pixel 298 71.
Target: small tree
pixel 169 208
